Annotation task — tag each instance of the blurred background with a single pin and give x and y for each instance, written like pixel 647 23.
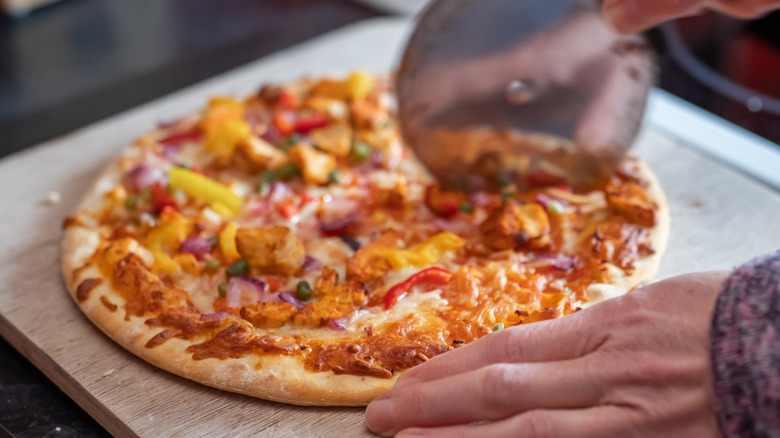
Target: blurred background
pixel 70 63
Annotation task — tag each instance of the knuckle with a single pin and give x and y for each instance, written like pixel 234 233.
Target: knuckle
pixel 413 403
pixel 512 343
pixel 500 382
pixel 537 424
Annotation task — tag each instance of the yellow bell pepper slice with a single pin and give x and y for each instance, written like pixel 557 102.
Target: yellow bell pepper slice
pixel 171 231
pixel 205 189
pixel 359 84
pixel 425 253
pixel 223 137
pixel 227 241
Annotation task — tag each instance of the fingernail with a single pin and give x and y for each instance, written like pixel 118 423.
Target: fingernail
pixel 379 416
pixel 624 16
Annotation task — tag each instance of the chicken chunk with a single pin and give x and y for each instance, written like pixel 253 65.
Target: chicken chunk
pixel 268 315
pixel 336 301
pixel 316 166
pixel 370 262
pixel 275 250
pixel 256 155
pixel 334 139
pixel 512 225
pixel 630 200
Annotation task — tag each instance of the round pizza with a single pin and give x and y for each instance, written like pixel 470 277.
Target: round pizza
pixel 288 246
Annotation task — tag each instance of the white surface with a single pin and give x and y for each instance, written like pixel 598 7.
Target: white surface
pixel 707 132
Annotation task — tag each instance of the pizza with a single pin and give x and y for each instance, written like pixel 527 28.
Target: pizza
pixel 288 246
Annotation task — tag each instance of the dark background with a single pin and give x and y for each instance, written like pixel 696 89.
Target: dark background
pixel 78 61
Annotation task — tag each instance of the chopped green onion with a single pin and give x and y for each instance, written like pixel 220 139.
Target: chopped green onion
pixel 334 177
pixel 239 268
pixel 213 240
pixel 304 290
pixel 361 152
pixel 292 140
pixel 555 207
pixel 183 166
pixel 506 197
pixel 466 208
pixel 568 291
pixel 499 326
pixel 287 171
pixel 262 187
pixel 503 179
pixel 222 289
pixel 146 194
pixel 131 203
pixel 213 264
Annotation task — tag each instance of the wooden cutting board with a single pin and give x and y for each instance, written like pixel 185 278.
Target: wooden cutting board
pixel 719 219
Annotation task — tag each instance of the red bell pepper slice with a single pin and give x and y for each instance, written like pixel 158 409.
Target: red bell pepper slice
pixel 283 122
pixel 542 179
pixel 288 100
pixel 180 137
pixel 435 276
pixel 316 121
pixel 288 210
pixel 161 199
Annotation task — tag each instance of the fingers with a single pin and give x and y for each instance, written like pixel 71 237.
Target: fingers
pixel 489 393
pixel 598 422
pixel 546 341
pixel 631 16
pixel 745 9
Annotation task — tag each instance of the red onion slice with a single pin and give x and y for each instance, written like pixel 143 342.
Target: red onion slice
pixel 336 226
pixel 288 297
pixel 454 227
pixel 339 324
pixel 545 200
pixel 143 176
pixel 310 264
pixel 237 285
pixel 196 246
pixel 279 191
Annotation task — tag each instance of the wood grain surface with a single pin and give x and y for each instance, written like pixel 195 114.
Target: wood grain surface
pixel 719 219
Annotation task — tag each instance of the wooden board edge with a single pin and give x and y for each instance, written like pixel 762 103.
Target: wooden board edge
pixel 64 381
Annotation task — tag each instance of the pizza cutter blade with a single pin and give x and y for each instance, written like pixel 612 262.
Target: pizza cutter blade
pixel 530 92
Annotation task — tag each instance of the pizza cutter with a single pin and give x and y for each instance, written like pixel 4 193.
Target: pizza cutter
pixel 523 92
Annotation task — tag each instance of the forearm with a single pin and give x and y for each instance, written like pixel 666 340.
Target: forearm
pixel 746 350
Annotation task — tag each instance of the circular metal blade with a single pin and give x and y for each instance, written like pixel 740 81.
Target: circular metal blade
pixel 540 91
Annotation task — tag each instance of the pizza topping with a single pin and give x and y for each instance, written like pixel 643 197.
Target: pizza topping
pixel 434 276
pixel 238 268
pixel 161 199
pixel 275 250
pixel 335 301
pixel 227 241
pixel 445 204
pixel 221 198
pixel 316 166
pixel 630 200
pixel 361 152
pixel 334 139
pixel 288 297
pixel 425 253
pixel 243 287
pixel 196 246
pixel 142 176
pixel 256 155
pixel 370 261
pixel 268 315
pixel 168 234
pixel 303 290
pixel 513 225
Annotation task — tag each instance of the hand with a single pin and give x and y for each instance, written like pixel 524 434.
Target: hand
pixel 632 366
pixel 629 16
